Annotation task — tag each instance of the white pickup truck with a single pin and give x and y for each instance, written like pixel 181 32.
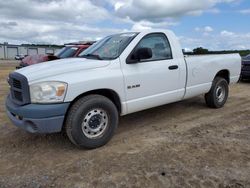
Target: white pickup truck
pixel 120 74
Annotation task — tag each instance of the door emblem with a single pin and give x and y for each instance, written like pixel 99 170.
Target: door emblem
pixel 134 86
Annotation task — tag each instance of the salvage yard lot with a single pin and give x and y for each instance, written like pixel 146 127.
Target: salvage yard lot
pixel 184 144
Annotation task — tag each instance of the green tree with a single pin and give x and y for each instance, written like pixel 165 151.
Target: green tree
pixel 200 50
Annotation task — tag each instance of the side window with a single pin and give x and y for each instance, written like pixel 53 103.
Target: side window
pixel 159 45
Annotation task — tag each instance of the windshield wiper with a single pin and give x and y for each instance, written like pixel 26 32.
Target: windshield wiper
pixel 92 56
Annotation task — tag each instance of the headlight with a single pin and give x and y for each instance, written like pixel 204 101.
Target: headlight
pixel 48 92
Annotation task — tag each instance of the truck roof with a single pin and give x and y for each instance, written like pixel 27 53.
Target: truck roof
pixel 150 31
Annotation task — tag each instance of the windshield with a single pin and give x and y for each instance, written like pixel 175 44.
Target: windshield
pixel 109 47
pixel 67 52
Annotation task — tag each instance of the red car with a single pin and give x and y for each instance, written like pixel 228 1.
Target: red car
pixel 72 50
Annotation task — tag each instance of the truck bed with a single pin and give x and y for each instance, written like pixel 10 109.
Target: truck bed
pixel 201 70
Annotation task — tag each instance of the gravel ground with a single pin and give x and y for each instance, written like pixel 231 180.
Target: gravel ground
pixel 184 144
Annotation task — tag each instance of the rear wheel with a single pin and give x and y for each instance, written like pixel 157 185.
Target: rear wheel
pixel 218 94
pixel 91 121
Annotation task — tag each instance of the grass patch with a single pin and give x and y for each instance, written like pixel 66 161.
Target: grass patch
pixel 5 69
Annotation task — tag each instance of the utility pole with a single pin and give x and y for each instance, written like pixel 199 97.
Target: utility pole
pixel 5 44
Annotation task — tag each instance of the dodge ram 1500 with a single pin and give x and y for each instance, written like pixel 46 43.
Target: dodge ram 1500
pixel 118 75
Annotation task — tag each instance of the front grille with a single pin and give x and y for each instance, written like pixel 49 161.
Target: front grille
pixel 18 95
pixel 246 67
pixel 17 84
pixel 19 88
pixel 246 63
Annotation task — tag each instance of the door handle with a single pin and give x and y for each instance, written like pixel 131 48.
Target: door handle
pixel 173 67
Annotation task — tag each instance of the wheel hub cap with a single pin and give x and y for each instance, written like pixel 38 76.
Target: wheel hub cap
pixel 95 123
pixel 220 93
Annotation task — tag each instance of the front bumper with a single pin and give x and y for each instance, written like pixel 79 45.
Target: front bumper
pixel 37 118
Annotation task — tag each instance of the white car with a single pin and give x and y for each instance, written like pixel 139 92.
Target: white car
pixel 20 57
pixel 119 75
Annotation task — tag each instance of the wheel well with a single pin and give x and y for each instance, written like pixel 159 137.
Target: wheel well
pixel 224 74
pixel 110 94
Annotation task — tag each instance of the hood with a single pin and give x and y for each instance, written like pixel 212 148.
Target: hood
pixel 57 67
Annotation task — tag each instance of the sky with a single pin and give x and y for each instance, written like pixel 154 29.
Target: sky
pixel 212 24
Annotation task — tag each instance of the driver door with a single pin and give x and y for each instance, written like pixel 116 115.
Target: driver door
pixel 152 82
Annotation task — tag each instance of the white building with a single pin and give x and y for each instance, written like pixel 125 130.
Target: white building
pixel 9 51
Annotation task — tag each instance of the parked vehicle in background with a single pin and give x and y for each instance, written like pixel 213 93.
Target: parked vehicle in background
pixel 245 69
pixel 72 50
pixel 118 75
pixel 20 57
pixel 247 57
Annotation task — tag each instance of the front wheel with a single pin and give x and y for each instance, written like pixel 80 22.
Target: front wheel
pixel 91 121
pixel 218 94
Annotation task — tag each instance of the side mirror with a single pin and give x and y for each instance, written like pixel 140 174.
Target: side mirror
pixel 139 54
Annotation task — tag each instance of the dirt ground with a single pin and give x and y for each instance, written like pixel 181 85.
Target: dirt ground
pixel 184 144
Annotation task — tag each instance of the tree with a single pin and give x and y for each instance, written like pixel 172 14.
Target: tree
pixel 200 50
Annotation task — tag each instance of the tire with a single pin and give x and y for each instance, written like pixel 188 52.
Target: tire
pixel 91 121
pixel 218 94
